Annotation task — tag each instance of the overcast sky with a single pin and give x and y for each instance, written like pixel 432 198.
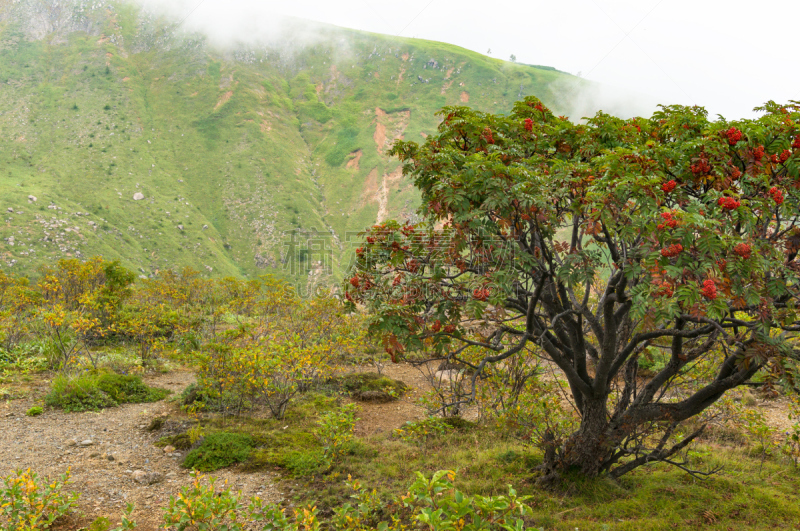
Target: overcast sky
pixel 726 56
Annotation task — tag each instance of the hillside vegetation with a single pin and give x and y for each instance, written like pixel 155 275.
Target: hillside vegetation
pixel 229 149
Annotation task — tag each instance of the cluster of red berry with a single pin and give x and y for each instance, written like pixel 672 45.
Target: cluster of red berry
pixel 709 290
pixel 480 294
pixel 673 250
pixel 355 282
pixel 669 221
pixel 758 153
pixel 437 325
pixel 528 124
pixel 728 203
pixel 538 106
pixel 664 289
pixel 776 194
pixel 734 135
pixel 669 186
pixel 701 167
pixel 783 157
pixel 735 174
pixel 742 250
pixel 796 143
pixel 487 135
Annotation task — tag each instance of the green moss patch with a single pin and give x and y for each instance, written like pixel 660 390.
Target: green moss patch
pixel 93 391
pixel 219 450
pixel 372 387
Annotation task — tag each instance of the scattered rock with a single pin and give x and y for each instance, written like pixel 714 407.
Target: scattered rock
pixel 11 210
pixel 156 424
pixel 87 442
pixel 180 227
pixel 146 478
pixel 168 449
pixel 451 375
pixel 138 196
pixel 32 199
pixel 94 454
pixel 70 442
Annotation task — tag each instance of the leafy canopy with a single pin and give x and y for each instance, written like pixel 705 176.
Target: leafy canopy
pixel 595 241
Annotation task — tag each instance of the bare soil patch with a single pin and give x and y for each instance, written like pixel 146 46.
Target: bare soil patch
pixel 355 157
pixel 47 445
pixel 225 97
pixel 464 97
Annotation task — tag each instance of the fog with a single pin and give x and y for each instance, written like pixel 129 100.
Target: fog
pixel 640 52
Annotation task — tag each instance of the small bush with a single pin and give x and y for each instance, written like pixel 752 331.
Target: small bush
pixel 372 387
pixel 421 431
pixel 28 502
pixel 35 411
pixel 90 391
pixel 129 389
pixel 79 393
pixel 219 450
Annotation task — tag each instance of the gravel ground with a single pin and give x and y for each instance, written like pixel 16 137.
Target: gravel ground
pixel 103 450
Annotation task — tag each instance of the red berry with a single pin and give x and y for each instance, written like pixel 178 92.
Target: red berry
pixel 669 186
pixel 742 250
pixel 673 250
pixel 728 203
pixel 785 154
pixel 701 167
pixel 796 143
pixel 437 325
pixel 709 290
pixel 528 124
pixel 481 294
pixel 777 195
pixel 734 135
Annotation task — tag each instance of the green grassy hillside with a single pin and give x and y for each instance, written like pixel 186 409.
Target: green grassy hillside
pixel 228 150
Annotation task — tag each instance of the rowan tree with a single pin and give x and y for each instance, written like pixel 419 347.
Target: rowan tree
pixel 595 243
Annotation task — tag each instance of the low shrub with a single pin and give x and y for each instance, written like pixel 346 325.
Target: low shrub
pixel 129 389
pixel 35 411
pixel 195 397
pixel 335 430
pixel 93 391
pixel 299 453
pixel 77 393
pixel 421 431
pixel 219 450
pixel 372 387
pixel 30 503
pixel 430 503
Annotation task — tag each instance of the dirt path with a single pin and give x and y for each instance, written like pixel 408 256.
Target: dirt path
pixel 53 442
pixel 377 418
pixel 104 449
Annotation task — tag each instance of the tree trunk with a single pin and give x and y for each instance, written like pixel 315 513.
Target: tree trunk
pixel 586 450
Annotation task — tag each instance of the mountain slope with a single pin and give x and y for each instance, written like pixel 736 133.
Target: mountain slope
pixel 147 145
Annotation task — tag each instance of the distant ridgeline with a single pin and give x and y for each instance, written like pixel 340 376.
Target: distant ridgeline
pixel 124 136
